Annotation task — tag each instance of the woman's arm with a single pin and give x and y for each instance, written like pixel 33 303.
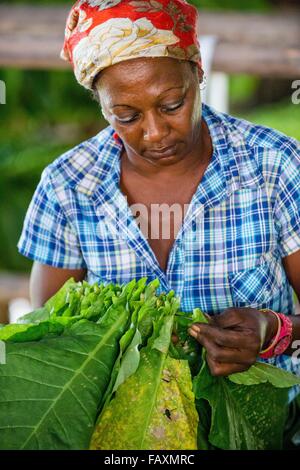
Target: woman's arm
pixel 45 281
pixel 292 268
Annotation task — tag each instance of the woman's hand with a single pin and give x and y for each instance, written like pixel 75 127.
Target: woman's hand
pixel 234 338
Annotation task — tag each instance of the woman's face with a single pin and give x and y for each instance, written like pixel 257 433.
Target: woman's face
pixel 154 105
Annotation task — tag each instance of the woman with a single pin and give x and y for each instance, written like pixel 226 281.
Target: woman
pixel 207 203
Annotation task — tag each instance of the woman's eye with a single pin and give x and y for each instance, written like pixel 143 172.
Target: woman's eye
pixel 127 120
pixel 172 107
pixel 165 108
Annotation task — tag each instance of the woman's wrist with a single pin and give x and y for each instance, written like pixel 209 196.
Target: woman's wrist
pixel 272 327
pixel 282 341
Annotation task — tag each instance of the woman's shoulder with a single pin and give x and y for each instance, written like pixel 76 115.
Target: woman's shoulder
pixel 87 158
pixel 254 155
pixel 239 132
pixel 254 146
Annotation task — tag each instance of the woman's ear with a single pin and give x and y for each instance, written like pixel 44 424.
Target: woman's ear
pixel 201 75
pixel 95 95
pixel 97 92
pixel 104 114
pixel 104 111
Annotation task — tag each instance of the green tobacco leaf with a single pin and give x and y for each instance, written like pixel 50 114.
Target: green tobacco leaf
pixel 229 429
pixel 204 411
pixel 129 354
pixel 155 391
pixel 58 301
pixel 125 341
pixel 242 417
pixel 34 332
pixel 161 404
pixel 265 410
pixel 261 373
pixel 198 316
pixel 186 347
pixel 140 287
pixel 140 329
pixel 130 361
pixel 38 315
pixel 162 342
pixel 51 389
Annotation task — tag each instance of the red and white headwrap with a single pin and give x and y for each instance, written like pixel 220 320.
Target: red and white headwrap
pixel 100 33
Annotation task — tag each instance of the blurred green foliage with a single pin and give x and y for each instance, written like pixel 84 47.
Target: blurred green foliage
pixel 47 113
pixel 248 5
pixel 283 116
pixel 209 4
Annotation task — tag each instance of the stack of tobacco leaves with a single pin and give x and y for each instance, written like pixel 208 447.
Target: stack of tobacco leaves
pixel 96 368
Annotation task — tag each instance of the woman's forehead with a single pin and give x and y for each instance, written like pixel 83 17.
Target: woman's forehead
pixel 129 76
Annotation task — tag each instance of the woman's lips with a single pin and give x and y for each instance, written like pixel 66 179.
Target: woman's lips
pixel 164 152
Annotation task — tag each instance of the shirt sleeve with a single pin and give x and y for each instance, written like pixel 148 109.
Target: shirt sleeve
pixel 47 235
pixel 287 208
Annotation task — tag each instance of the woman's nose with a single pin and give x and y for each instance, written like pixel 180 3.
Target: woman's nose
pixel 155 128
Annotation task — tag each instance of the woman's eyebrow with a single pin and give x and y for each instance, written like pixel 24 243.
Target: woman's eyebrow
pixel 172 88
pixel 165 91
pixel 121 106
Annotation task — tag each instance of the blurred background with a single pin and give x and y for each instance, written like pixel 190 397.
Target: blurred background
pixel 47 113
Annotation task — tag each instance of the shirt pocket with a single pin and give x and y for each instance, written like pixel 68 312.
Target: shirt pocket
pixel 259 286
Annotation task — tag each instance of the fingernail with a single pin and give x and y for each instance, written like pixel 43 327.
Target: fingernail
pixel 194 331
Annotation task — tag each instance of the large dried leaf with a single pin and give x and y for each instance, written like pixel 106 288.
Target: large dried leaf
pixel 158 399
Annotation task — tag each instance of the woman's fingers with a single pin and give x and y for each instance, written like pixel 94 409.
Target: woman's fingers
pixel 232 340
pixel 230 356
pixel 206 334
pixel 227 351
pixel 219 369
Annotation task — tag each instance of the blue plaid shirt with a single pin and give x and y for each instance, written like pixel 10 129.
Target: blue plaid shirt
pixel 243 219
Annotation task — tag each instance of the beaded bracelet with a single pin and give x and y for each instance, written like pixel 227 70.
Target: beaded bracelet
pixel 282 339
pixel 275 338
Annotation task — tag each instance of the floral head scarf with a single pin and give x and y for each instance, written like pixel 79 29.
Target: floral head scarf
pixel 100 33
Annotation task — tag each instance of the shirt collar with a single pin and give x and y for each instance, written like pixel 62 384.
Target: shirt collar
pixel 232 165
pixel 105 171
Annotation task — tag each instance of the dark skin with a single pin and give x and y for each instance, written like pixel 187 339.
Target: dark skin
pixel 168 114
pixel 46 280
pixel 154 106
pixel 169 189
